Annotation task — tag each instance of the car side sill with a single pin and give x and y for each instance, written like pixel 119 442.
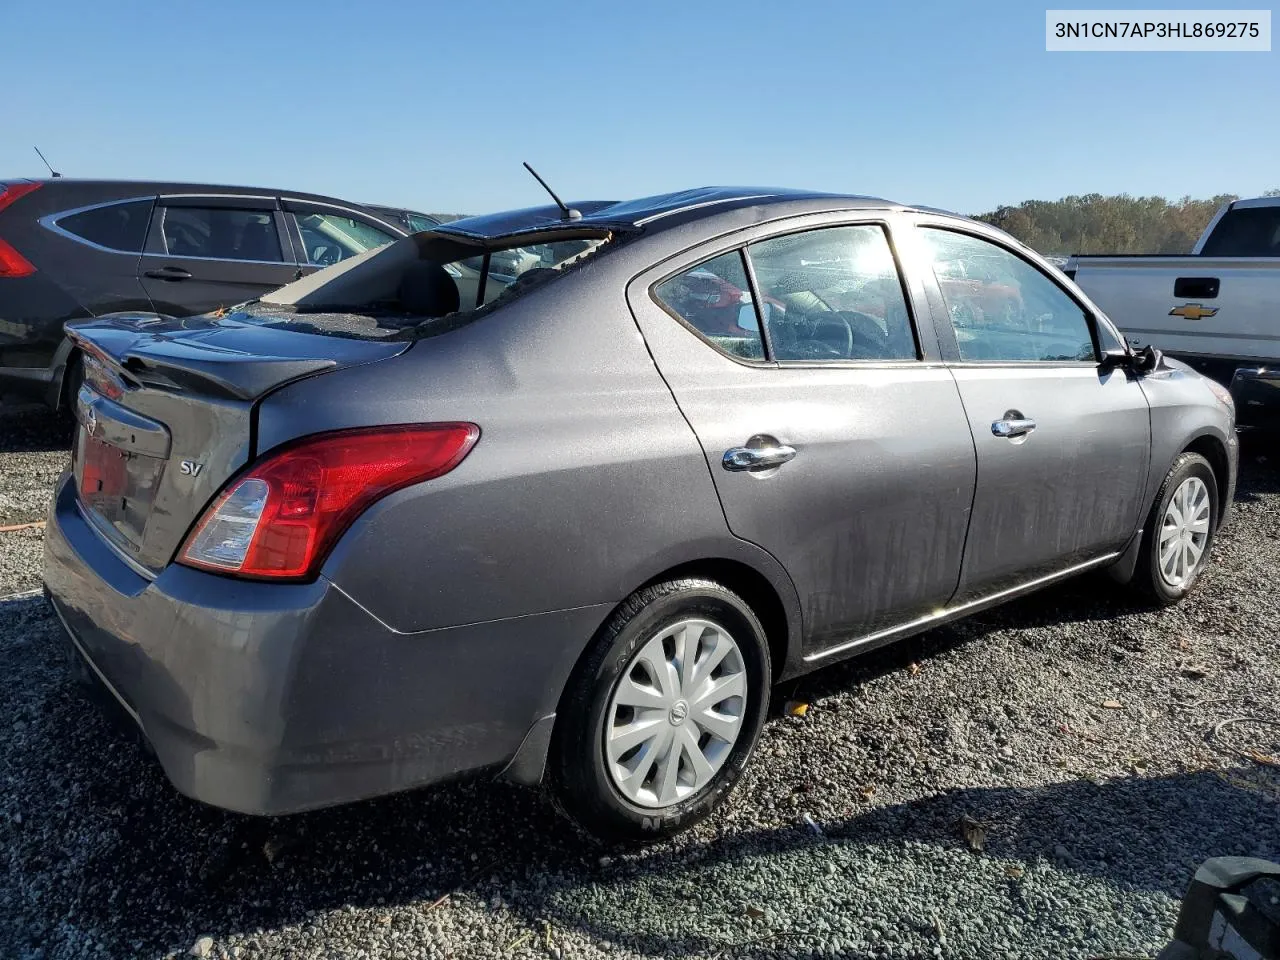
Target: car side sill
pixel 953 613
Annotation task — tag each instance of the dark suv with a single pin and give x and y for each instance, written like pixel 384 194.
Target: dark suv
pixel 73 249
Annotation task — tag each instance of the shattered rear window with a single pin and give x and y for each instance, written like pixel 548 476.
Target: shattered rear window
pixel 512 271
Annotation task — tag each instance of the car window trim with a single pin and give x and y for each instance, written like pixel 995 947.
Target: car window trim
pixel 735 240
pixel 221 201
pixel 293 205
pixel 161 206
pixel 887 231
pixel 50 222
pixel 1090 317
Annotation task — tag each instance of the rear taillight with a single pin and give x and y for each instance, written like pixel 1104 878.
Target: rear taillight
pixel 281 517
pixel 12 263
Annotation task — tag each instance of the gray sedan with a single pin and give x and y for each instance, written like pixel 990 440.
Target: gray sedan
pixel 383 527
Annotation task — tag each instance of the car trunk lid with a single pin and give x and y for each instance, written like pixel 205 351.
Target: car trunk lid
pixel 166 415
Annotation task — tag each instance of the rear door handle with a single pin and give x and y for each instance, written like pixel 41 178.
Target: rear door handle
pixel 168 273
pixel 1013 427
pixel 757 458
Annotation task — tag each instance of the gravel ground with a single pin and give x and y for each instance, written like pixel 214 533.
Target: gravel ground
pixel 1071 726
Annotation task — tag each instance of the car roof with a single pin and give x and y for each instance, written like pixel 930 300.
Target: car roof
pixel 663 210
pixel 129 188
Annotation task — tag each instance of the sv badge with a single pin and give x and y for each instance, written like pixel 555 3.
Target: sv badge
pixel 190 468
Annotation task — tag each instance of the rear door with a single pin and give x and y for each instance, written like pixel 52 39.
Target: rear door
pixel 835 439
pixel 1063 444
pixel 206 252
pixel 99 267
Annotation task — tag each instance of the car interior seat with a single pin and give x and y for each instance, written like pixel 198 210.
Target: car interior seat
pixel 257 239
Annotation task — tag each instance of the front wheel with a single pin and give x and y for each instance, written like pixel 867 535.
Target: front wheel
pixel 1179 532
pixel 661 716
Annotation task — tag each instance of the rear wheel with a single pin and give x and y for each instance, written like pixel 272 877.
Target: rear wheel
pixel 662 715
pixel 72 379
pixel 1179 532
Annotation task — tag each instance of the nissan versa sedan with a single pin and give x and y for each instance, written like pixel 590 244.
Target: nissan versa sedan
pixel 381 528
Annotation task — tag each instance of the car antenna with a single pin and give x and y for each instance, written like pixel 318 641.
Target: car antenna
pixel 566 213
pixel 52 172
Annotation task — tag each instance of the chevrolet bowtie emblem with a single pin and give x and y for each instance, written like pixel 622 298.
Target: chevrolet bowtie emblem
pixel 1193 311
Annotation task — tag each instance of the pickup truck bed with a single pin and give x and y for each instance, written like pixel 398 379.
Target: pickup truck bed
pixel 1217 309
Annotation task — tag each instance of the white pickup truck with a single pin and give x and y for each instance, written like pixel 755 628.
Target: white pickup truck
pixel 1217 309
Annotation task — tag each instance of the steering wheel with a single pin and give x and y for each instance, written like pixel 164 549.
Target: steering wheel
pixel 326 255
pixel 875 347
pixel 844 331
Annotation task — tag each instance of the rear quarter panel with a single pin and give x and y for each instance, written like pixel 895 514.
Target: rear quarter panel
pixel 586 481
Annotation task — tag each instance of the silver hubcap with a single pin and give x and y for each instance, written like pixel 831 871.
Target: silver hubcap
pixel 1184 532
pixel 675 714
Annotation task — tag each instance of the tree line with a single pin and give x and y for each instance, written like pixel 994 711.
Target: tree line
pixel 1093 223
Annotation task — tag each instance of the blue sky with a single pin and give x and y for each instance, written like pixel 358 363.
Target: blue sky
pixel 433 105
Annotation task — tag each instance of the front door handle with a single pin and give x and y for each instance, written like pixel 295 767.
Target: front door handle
pixel 168 273
pixel 1011 427
pixel 757 458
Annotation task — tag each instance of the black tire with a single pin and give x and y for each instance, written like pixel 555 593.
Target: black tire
pixel 581 785
pixel 72 379
pixel 1148 577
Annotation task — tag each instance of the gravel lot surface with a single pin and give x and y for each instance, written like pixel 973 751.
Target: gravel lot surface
pixel 1073 727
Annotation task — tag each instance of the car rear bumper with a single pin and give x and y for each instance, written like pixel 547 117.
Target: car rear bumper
pixel 275 698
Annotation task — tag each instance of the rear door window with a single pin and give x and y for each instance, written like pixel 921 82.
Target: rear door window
pixel 833 294
pixel 120 227
pixel 221 233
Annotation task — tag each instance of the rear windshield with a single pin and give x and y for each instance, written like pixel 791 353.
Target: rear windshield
pixel 439 291
pixel 1245 232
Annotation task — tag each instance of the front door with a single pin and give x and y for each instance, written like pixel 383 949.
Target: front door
pixel 836 440
pixel 1063 444
pixel 208 252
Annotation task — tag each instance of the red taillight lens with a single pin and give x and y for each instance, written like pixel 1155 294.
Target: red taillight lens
pixel 280 518
pixel 12 263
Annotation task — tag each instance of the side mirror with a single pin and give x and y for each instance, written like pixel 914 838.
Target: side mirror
pixel 1141 361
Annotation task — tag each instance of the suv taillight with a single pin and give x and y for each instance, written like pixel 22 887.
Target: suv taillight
pixel 12 263
pixel 280 518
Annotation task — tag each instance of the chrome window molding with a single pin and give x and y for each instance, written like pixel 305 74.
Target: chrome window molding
pixel 188 256
pixel 50 222
pixel 274 210
pixel 353 213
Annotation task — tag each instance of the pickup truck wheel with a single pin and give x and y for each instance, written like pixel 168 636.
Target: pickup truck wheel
pixel 1179 531
pixel 661 716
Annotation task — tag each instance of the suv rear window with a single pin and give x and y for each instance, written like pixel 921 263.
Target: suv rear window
pixel 117 226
